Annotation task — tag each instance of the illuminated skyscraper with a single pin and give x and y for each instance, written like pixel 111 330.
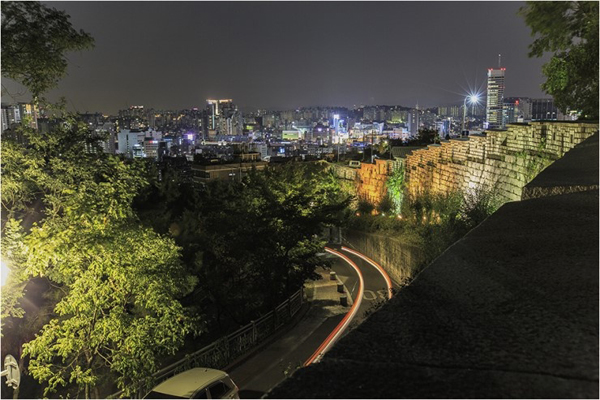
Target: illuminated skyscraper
pixel 215 110
pixel 495 99
pixel 222 117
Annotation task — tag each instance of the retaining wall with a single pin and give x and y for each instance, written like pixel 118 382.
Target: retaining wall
pixel 400 260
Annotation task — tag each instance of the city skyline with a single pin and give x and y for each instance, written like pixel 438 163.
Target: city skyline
pixel 289 55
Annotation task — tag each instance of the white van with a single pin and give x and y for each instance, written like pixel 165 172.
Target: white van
pixel 196 383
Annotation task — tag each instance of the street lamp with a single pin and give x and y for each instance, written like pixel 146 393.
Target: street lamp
pixel 11 372
pixel 473 99
pixel 11 367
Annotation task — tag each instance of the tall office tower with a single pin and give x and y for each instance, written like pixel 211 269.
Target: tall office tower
pixel 495 99
pixel 413 121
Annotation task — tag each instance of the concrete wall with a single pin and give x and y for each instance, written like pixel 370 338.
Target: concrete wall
pixel 400 260
pixel 505 160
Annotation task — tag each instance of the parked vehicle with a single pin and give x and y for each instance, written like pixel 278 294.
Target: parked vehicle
pixel 354 164
pixel 196 383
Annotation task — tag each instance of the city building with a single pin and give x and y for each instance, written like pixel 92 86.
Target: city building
pixel 15 113
pixel 413 121
pixel 450 111
pixel 495 99
pixel 216 169
pixel 223 118
pixel 517 109
pixel 545 110
pixel 10 116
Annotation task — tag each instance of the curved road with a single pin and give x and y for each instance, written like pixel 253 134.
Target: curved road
pixel 377 288
pixel 303 344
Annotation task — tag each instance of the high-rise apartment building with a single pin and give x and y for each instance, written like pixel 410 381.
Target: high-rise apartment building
pixel 223 118
pixel 15 114
pixel 414 121
pixel 495 99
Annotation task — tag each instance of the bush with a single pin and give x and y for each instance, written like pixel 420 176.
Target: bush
pixel 385 205
pixel 364 207
pixel 432 221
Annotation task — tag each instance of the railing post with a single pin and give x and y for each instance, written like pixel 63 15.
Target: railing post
pixel 224 347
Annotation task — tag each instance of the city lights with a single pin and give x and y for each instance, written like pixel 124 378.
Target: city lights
pixel 473 99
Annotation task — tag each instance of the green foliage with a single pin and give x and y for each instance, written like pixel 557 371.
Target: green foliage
pixel 534 161
pixel 364 207
pixel 70 219
pixel 569 30
pixel 478 204
pixel 113 286
pixel 386 205
pixel 395 186
pixel 425 137
pixel 261 235
pixel 119 310
pixel 432 221
pixel 35 40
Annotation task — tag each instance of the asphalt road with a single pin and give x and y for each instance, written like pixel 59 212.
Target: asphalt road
pixel 375 292
pixel 275 362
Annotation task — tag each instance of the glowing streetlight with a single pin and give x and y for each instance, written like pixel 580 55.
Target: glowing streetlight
pixel 4 271
pixel 473 99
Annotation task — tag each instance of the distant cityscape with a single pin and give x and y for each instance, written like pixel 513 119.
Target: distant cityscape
pixel 219 130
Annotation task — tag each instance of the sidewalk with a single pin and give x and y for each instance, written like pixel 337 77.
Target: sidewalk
pixel 290 348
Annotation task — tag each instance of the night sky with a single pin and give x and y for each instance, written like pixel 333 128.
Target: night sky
pixel 283 55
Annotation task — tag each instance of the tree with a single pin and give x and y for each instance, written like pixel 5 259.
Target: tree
pixel 424 137
pixel 67 218
pixel 569 30
pixel 35 40
pixel 118 283
pixel 262 235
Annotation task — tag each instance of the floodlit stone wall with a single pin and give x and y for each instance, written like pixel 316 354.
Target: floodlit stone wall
pixel 502 160
pixel 370 179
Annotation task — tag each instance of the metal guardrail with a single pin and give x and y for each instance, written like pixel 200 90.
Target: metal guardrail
pixel 222 352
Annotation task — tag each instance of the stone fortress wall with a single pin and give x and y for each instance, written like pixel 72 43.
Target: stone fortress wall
pixel 370 179
pixel 503 160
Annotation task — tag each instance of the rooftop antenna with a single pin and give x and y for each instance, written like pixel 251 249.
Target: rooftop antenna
pixel 499 60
